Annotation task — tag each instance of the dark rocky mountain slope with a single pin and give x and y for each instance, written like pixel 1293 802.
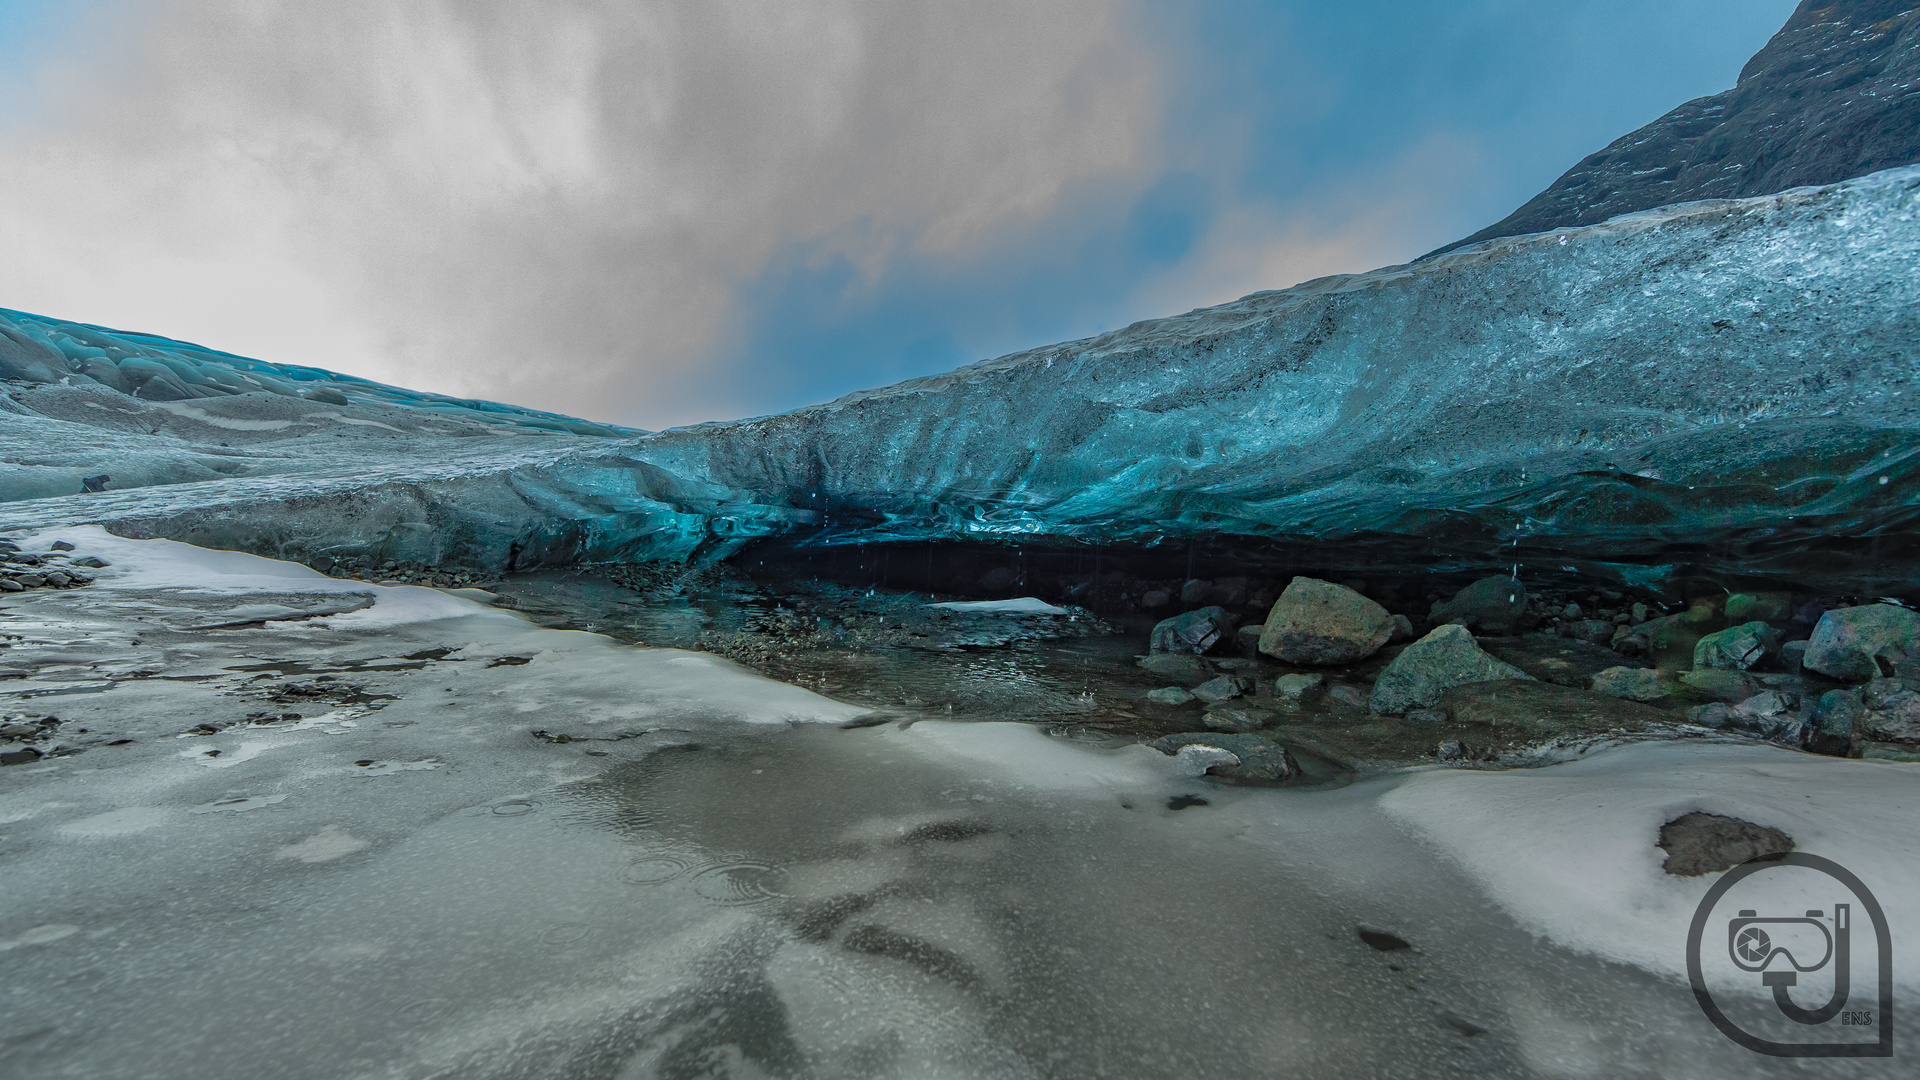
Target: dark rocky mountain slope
pixel 1835 94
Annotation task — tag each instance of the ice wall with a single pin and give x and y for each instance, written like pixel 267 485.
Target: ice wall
pixel 1720 383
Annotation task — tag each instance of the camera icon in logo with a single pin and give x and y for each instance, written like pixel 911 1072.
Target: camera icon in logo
pixel 1804 942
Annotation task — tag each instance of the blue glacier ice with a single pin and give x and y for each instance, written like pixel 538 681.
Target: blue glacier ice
pixel 1718 383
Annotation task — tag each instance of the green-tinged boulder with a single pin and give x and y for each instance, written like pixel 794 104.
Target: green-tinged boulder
pixel 1318 622
pixel 1428 668
pixel 1736 648
pixel 1860 643
pixel 1771 607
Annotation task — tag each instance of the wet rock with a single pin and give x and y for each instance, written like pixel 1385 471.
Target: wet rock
pixel 1737 647
pixel 1714 714
pixel 1298 689
pixel 1892 711
pixel 1220 688
pixel 1631 683
pixel 1597 631
pixel 23 755
pixel 1260 758
pixel 1351 696
pixel 1236 716
pixel 1724 685
pixel 1701 843
pixel 1769 714
pixel 1400 630
pixel 1248 637
pixel 1428 668
pixel 1194 592
pixel 10 585
pixel 1382 940
pixel 1838 724
pixel 1525 711
pixel 59 580
pixel 94 484
pixel 1451 750
pixel 1169 695
pixel 31 581
pixel 1858 643
pixel 1194 631
pixel 1767 607
pixel 1185 667
pixel 1793 656
pixel 1491 605
pixel 1318 622
pixel 60 545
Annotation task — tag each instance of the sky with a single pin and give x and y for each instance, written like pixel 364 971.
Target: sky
pixel 661 212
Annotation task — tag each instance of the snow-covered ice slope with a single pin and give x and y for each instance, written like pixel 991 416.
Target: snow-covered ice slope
pixel 1725 380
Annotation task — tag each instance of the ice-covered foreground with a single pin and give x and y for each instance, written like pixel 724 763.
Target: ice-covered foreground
pixel 334 847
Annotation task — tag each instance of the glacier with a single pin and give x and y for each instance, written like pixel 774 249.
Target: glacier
pixel 1716 387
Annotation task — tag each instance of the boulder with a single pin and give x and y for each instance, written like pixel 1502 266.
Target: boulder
pixel 1793 655
pixel 1768 607
pixel 1631 683
pixel 1892 711
pixel 1401 630
pixel 1721 684
pixel 1194 631
pixel 1737 647
pixel 1169 695
pixel 1298 689
pixel 1770 714
pixel 1838 724
pixel 1260 758
pixel 1318 622
pixel 1700 843
pixel 1491 605
pixel 1428 668
pixel 1852 644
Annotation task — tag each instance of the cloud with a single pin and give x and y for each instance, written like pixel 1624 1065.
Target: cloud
pixel 554 204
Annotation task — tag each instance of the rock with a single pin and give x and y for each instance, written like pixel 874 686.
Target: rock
pixel 1453 750
pixel 1535 710
pixel 1348 695
pixel 1770 714
pixel 1318 622
pixel 1714 714
pixel 1638 614
pixel 1220 688
pixel 1633 684
pixel 1428 668
pixel 1183 666
pixel 25 755
pixel 1428 716
pixel 1155 599
pixel 1297 689
pixel 1737 647
pixel 93 562
pixel 1260 758
pixel 1491 605
pixel 1767 607
pixel 1838 724
pixel 1229 591
pixel 60 545
pixel 1248 637
pixel 31 581
pixel 59 580
pixel 1700 843
pixel 94 484
pixel 1597 631
pixel 1670 639
pixel 1728 686
pixel 1194 592
pixel 1892 711
pixel 1169 695
pixel 1554 659
pixel 10 585
pixel 1852 644
pixel 1401 629
pixel 1236 717
pixel 1793 656
pixel 19 731
pixel 1194 631
pixel 1571 612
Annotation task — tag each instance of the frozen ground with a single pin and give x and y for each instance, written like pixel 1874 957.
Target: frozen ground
pixel 333 847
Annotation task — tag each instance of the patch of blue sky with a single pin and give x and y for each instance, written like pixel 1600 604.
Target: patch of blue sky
pixel 1285 105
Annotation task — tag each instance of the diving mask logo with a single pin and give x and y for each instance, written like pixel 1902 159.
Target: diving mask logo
pixel 1792 978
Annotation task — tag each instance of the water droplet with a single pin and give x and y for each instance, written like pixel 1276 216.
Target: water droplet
pixel 739 883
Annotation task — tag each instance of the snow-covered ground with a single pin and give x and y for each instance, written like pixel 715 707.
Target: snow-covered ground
pixel 422 837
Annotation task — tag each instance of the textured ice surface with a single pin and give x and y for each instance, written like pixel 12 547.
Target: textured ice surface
pixel 1723 384
pixel 389 874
